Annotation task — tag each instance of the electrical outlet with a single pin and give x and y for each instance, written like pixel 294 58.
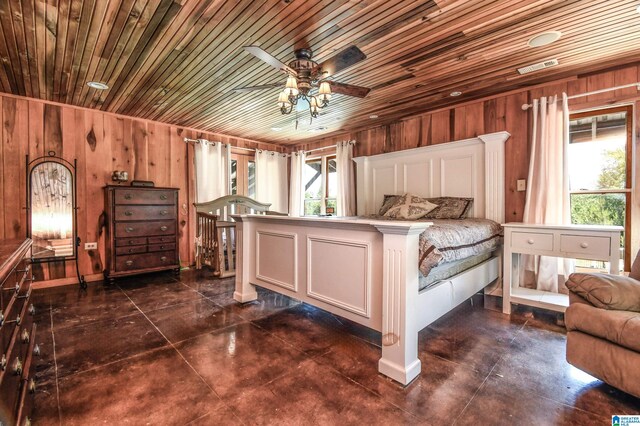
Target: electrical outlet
pixel 522 185
pixel 90 246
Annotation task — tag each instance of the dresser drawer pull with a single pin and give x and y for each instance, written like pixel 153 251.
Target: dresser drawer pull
pixel 129 262
pixel 26 296
pixel 17 367
pixel 25 336
pixel 163 258
pixel 27 421
pixel 530 241
pixel 132 242
pixel 584 245
pixel 1 319
pixel 163 196
pixel 17 288
pixel 161 247
pixel 127 196
pixel 128 213
pixel 164 213
pixel 3 362
pixel 32 385
pixel 163 228
pixel 128 229
pixel 36 350
pixel 130 250
pixel 17 321
pixel 22 270
pixel 32 309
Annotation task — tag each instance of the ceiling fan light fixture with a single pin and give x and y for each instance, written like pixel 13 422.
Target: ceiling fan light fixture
pixel 291 88
pixel 324 91
pixel 283 100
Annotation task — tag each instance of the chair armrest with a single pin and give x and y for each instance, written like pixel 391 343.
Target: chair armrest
pixel 606 291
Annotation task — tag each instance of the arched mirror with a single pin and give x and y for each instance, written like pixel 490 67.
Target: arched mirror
pixel 51 209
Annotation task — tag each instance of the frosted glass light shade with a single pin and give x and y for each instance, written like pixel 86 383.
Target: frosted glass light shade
pixel 291 89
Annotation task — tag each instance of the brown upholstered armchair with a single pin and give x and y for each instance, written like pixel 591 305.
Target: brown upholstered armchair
pixel 603 327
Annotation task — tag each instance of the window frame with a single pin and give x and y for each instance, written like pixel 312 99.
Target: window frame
pixel 324 184
pixel 242 160
pixel 628 189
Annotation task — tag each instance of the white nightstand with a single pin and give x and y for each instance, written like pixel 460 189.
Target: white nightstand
pixel 568 241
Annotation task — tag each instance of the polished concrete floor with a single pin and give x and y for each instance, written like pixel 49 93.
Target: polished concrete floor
pixel 162 350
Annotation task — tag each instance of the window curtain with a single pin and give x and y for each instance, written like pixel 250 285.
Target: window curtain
pixel 547 198
pixel 346 196
pixel 271 180
pixel 296 190
pixel 213 170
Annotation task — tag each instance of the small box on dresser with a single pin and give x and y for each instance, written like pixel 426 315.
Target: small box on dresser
pixel 142 230
pixel 17 333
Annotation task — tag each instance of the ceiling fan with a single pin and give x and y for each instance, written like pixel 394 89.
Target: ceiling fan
pixel 308 79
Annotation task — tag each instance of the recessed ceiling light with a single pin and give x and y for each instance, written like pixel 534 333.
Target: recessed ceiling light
pixel 317 129
pixel 276 129
pixel 454 94
pixel 97 85
pixel 372 116
pixel 544 38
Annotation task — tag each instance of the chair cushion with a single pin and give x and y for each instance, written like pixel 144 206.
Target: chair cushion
pixel 607 291
pixel 410 207
pixel 620 327
pixel 635 268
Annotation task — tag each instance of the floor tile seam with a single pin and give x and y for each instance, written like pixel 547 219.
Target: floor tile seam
pixel 185 302
pixel 484 381
pixel 280 338
pixel 461 364
pixel 55 364
pixel 217 330
pixel 84 324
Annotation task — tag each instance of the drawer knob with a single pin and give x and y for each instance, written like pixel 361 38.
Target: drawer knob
pixel 32 309
pixel 32 386
pixel 3 362
pixel 25 336
pixel 27 421
pixel 161 247
pixel 130 250
pixel 584 245
pixel 128 229
pixel 17 367
pixel 128 213
pixel 163 258
pixel 530 241
pixel 127 196
pixel 163 228
pixel 129 262
pixel 18 320
pixel 17 287
pixel 36 350
pixel 164 213
pixel 163 196
pixel 1 319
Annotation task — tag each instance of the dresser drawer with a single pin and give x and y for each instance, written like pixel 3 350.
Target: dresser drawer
pixel 585 245
pixel 130 241
pixel 161 247
pixel 146 260
pixel 140 229
pixel 531 241
pixel 160 240
pixel 130 250
pixel 145 196
pixel 144 212
pixel 28 383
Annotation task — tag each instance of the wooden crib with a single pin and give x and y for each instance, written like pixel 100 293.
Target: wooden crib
pixel 216 231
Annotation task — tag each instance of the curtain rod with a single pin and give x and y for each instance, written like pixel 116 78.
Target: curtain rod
pixel 187 140
pixel 325 147
pixel 595 92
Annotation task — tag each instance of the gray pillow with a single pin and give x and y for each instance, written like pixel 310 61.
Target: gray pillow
pixel 389 200
pixel 450 208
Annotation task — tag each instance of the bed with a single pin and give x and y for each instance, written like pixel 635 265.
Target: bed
pixel 366 269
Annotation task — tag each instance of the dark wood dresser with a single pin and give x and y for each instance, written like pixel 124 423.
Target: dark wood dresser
pixel 142 230
pixel 17 333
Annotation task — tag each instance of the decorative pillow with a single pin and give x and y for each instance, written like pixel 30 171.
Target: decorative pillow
pixel 449 208
pixel 409 206
pixel 606 291
pixel 389 200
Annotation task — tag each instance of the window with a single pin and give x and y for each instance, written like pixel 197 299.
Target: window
pixel 321 186
pixel 600 170
pixel 243 175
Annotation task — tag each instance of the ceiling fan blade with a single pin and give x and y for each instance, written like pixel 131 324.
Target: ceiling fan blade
pixel 266 57
pixel 349 89
pixel 343 60
pixel 260 87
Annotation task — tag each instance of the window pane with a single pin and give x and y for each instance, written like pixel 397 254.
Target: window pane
pixel 251 189
pixel 597 152
pixel 332 206
pixel 332 179
pixel 312 178
pixel 311 207
pixel 234 176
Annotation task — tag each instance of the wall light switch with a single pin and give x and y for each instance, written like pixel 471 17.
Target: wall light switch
pixel 522 185
pixel 90 246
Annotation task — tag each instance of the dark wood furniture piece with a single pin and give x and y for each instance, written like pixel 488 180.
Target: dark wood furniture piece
pixel 17 333
pixel 142 230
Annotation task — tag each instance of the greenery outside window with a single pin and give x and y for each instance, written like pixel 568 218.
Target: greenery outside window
pixel 320 186
pixel 600 171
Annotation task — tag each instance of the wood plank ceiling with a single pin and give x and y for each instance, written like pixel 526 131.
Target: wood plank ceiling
pixel 176 61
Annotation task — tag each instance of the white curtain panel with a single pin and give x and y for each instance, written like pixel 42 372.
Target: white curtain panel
pixel 547 199
pixel 296 189
pixel 271 180
pixel 346 197
pixel 213 166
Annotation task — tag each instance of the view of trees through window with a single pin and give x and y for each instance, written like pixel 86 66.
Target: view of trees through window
pixel 599 175
pixel 320 188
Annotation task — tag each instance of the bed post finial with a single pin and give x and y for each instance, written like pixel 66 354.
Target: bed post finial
pixel 494 175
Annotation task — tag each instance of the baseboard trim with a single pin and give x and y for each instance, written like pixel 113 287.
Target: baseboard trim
pixel 38 285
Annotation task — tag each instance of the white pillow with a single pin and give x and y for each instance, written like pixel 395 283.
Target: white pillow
pixel 410 206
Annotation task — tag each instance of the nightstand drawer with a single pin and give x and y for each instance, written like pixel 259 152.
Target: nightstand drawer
pixel 531 241
pixel 589 246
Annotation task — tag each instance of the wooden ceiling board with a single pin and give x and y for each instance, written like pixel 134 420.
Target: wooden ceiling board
pixel 178 61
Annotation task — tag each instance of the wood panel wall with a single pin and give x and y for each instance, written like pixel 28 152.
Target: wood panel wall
pixel 101 143
pixel 493 114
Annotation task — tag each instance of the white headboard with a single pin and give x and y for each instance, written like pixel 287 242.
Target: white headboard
pixel 466 168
